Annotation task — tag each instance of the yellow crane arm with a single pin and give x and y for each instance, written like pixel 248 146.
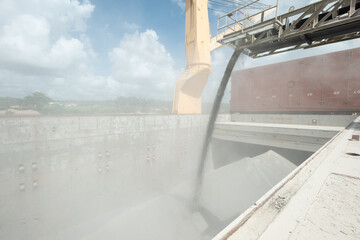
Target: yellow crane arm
pixel 189 86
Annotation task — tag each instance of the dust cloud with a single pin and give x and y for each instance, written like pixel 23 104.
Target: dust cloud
pixel 198 209
pixel 226 193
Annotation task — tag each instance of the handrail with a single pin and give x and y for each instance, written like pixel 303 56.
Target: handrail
pixel 319 23
pixel 238 9
pixel 231 22
pixel 229 25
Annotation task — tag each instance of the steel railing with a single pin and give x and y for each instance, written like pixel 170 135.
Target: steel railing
pixel 243 17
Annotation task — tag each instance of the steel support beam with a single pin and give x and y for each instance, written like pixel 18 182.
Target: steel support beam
pixel 297 137
pixel 320 23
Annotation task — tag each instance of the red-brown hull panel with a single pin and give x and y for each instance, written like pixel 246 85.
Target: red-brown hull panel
pixel 325 83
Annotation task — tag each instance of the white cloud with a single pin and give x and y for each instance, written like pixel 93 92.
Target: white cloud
pixel 64 15
pixel 44 47
pixel 130 26
pixel 36 35
pixel 41 41
pixel 180 3
pixel 142 66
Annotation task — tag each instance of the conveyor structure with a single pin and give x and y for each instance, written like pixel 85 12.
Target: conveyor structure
pixel 317 24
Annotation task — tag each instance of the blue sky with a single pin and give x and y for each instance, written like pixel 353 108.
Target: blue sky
pixel 102 49
pixel 112 19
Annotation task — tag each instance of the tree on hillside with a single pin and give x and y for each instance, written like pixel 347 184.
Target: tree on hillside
pixel 7 102
pixel 36 101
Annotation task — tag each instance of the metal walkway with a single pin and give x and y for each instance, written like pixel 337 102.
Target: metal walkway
pixel 317 24
pixel 319 200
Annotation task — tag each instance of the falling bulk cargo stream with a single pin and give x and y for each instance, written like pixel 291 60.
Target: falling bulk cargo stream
pixel 211 124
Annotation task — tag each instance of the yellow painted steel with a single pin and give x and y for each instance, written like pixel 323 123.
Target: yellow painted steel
pixel 189 86
pixel 198 44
